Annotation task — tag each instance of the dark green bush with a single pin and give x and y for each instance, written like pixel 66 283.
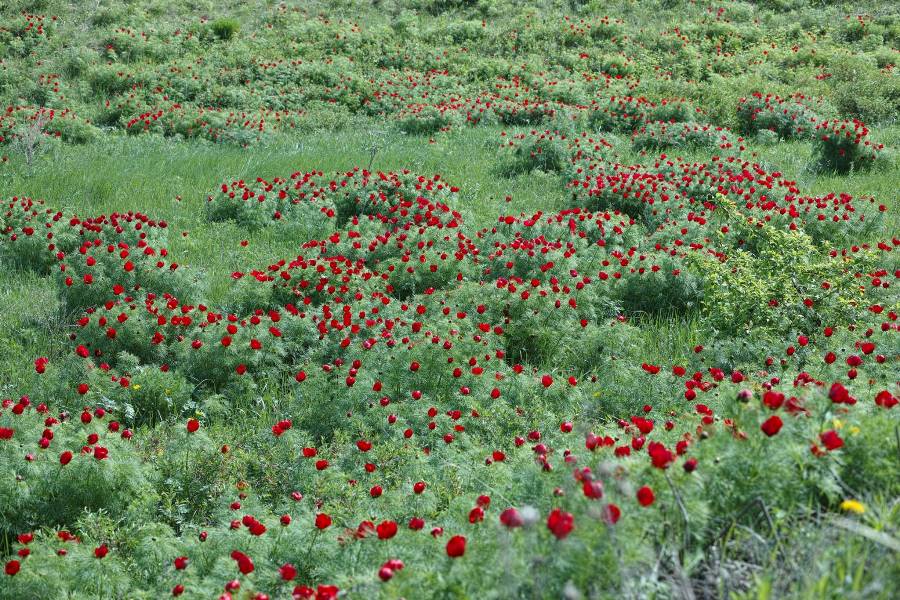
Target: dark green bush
pixel 225 28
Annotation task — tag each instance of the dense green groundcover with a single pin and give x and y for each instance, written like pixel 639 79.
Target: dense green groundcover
pixel 449 299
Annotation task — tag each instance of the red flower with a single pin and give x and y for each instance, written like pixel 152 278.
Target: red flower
pixel 326 592
pixel 772 425
pixel 773 400
pixel 546 381
pixel 840 395
pixel 244 564
pixel 652 369
pixel 885 399
pixel 831 440
pixel 612 514
pixel 476 515
pixel 323 521
pixel 386 530
pixel 660 456
pixel 193 425
pixel 592 489
pixel 65 458
pixel 645 496
pixel 560 523
pixel 101 551
pixel 12 567
pixel 181 562
pixel 456 546
pixel 511 518
pixel 287 571
pixel 281 426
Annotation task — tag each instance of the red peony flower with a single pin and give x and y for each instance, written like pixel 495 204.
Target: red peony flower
pixel 611 514
pixel 386 530
pixel 831 440
pixel 287 571
pixel 456 546
pixel 772 425
pixel 511 518
pixel 244 563
pixel 560 523
pixel 323 521
pixel 645 496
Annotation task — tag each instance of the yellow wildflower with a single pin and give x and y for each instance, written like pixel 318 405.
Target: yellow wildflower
pixel 854 506
pixel 136 387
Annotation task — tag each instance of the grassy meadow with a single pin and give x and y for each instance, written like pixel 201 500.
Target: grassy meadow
pixel 449 299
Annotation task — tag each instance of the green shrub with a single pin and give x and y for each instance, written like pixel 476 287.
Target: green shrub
pixel 765 282
pixel 544 151
pixel 845 145
pixel 662 289
pixel 861 90
pixel 682 135
pixel 39 492
pixel 788 118
pixel 426 121
pixel 225 28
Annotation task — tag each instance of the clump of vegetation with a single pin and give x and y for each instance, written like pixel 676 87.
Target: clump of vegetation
pixel 225 28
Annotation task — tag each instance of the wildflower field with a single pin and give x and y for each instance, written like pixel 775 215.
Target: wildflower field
pixel 449 299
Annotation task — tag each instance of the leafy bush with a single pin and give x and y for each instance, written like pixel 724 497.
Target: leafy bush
pixel 787 117
pixel 545 151
pixel 426 121
pixel 845 145
pixel 225 28
pixel 772 280
pixel 682 135
pixel 39 491
pixel 861 90
pixel 662 289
